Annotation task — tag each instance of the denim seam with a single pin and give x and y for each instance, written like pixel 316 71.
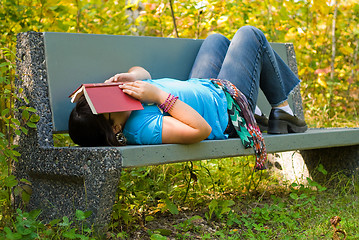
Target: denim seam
pixel 259 53
pixel 278 76
pixel 255 72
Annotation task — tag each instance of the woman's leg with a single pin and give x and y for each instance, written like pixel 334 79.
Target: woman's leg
pixel 210 57
pixel 251 63
pixel 209 62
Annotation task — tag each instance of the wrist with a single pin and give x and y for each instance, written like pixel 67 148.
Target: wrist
pixel 167 105
pixel 133 76
pixel 161 97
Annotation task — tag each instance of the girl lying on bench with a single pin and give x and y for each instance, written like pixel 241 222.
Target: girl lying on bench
pixel 217 102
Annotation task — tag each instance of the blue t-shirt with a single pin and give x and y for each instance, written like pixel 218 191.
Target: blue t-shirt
pixel 145 126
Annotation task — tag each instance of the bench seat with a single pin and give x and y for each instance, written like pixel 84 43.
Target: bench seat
pixel 135 156
pixel 148 155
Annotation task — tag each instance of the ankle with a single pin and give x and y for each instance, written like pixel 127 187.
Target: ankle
pixel 285 108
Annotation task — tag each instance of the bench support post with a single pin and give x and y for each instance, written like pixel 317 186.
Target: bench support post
pixel 66 179
pixel 334 160
pixel 289 167
pixel 63 180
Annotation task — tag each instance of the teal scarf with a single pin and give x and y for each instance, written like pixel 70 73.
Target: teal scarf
pixel 243 121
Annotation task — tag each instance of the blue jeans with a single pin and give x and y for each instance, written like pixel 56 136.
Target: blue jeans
pixel 249 62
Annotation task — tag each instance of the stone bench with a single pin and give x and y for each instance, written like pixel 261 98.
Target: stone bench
pixel 63 179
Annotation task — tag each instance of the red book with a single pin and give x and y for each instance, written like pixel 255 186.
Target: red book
pixel 106 98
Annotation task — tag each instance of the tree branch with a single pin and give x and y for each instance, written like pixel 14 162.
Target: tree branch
pixel 173 19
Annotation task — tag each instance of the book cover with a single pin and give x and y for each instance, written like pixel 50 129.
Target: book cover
pixel 106 98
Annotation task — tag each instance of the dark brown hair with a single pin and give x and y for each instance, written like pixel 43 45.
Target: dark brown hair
pixel 89 130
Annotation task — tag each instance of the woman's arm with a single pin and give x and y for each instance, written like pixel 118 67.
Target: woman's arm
pixel 185 125
pixel 133 74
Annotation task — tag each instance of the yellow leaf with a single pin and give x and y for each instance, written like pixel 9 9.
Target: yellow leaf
pixel 321 81
pixel 346 50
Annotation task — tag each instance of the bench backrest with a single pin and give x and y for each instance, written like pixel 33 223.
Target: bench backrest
pixel 73 59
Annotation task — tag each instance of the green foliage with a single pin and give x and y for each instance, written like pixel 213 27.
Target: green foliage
pixel 164 188
pixel 330 95
pixel 188 224
pixel 63 139
pixel 330 83
pixel 268 211
pixel 11 127
pixel 219 208
pixel 26 226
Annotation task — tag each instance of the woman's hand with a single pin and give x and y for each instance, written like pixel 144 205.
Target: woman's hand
pixel 133 74
pixel 144 91
pixel 122 77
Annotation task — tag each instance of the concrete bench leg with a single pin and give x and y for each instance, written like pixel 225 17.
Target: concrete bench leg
pixel 289 167
pixel 59 196
pixel 334 160
pixel 66 180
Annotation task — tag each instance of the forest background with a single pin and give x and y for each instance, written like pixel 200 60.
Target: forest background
pixel 325 34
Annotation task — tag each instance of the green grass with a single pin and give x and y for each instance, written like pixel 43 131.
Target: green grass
pixel 217 199
pixel 225 199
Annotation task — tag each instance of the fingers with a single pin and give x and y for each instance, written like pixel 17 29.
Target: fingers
pixel 121 77
pixel 136 85
pixel 140 90
pixel 115 78
pixel 132 88
pixel 109 80
pixel 130 85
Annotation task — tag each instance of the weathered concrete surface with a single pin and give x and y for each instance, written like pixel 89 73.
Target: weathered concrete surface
pixel 62 179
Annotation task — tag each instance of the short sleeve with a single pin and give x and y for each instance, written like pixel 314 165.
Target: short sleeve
pixel 144 126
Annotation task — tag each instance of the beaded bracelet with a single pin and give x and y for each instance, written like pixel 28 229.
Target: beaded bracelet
pixel 168 104
pixel 172 102
pixel 163 105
